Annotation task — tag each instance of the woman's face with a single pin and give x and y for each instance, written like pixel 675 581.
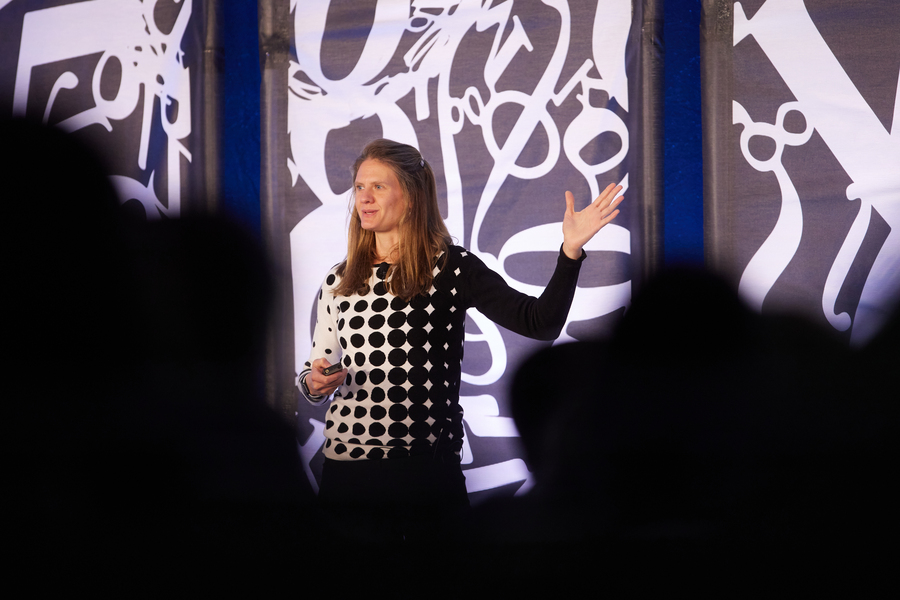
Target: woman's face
pixel 380 201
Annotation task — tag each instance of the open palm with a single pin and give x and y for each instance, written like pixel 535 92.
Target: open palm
pixel 579 227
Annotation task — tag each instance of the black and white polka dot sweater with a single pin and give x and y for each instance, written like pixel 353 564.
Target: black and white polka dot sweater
pixel 403 359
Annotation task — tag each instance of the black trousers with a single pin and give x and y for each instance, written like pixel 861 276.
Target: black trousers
pixel 408 504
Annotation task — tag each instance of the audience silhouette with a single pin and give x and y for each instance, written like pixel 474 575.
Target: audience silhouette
pixel 701 446
pixel 141 446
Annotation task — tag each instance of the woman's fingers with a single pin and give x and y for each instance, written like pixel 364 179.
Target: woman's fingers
pixel 608 195
pixel 319 383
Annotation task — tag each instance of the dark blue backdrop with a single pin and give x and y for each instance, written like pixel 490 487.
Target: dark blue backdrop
pixel 683 167
pixel 683 182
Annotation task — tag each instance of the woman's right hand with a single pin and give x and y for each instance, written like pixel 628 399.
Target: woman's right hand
pixel 320 384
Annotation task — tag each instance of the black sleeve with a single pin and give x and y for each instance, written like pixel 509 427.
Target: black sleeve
pixel 540 318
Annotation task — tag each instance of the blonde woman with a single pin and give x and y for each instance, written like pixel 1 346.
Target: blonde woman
pixel 390 325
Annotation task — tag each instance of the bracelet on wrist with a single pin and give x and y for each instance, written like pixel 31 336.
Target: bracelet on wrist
pixel 306 387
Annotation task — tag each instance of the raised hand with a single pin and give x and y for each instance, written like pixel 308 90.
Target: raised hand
pixel 579 227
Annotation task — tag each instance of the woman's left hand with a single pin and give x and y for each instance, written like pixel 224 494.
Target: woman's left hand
pixel 580 227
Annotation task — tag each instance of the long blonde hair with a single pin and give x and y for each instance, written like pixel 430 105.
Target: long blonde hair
pixel 423 234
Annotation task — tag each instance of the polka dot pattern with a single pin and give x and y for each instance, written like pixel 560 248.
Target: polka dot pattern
pixel 403 359
pixel 384 409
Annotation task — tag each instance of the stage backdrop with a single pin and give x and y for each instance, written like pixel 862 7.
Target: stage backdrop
pixel 133 78
pixel 801 126
pixel 512 103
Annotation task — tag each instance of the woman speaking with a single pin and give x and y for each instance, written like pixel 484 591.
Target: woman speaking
pixel 388 347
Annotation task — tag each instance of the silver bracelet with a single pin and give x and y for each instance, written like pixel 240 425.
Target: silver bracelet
pixel 306 387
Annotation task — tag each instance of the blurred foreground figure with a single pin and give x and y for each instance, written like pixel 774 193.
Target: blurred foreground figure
pixel 139 445
pixel 63 274
pixel 703 447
